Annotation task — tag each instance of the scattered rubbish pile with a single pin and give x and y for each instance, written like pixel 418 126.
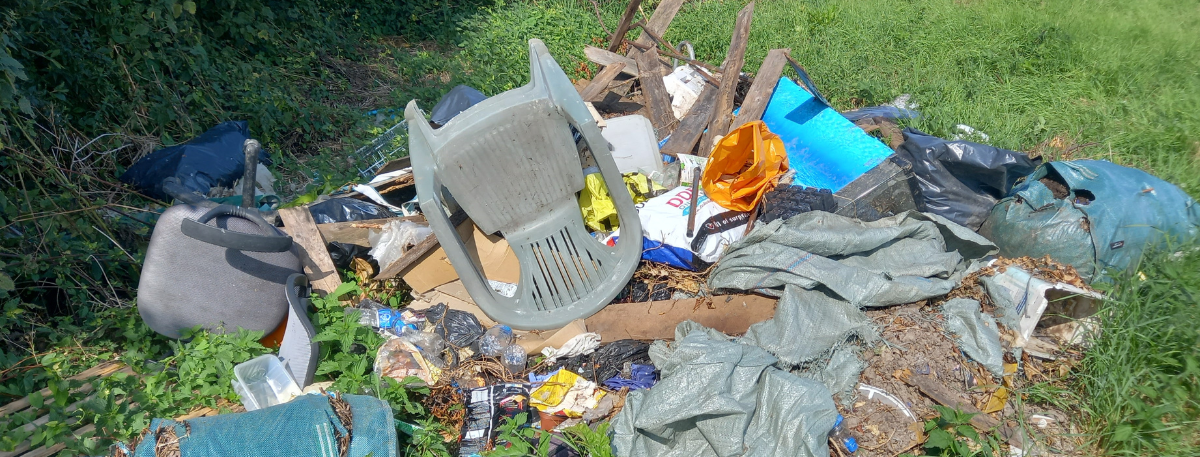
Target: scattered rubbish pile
pixel 716 263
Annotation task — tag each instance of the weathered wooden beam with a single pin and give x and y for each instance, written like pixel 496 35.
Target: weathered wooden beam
pixel 605 58
pixel 659 21
pixel 723 109
pixel 760 91
pixel 595 90
pixel 654 92
pixel 298 222
pixel 691 127
pixel 623 28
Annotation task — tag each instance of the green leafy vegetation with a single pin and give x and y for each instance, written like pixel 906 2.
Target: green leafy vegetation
pixel 1141 377
pixel 951 435
pixel 515 438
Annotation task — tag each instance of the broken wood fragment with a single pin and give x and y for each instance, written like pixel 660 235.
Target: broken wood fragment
pixel 691 127
pixel 659 21
pixel 934 389
pixel 623 28
pixel 605 58
pixel 760 92
pixel 298 222
pixel 654 92
pixel 599 85
pixel 723 109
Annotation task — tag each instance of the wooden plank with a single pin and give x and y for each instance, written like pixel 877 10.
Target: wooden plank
pixel 659 21
pixel 101 370
pixel 355 232
pixel 654 92
pixel 408 258
pixel 323 276
pixel 623 28
pixel 691 127
pixel 600 122
pixel 604 58
pixel 760 91
pixel 723 109
pixel 934 389
pixel 656 320
pixel 599 85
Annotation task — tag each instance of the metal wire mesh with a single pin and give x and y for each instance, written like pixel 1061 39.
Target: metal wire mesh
pixel 392 144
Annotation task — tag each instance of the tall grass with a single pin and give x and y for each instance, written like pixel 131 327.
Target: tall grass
pixel 1140 381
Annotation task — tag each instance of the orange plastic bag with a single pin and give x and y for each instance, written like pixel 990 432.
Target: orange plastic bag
pixel 743 166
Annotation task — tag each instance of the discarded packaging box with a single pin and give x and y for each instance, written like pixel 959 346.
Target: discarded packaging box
pixel 1063 311
pixel 491 253
pixel 656 320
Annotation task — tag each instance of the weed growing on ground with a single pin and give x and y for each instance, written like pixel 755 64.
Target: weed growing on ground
pixel 951 435
pixel 1141 377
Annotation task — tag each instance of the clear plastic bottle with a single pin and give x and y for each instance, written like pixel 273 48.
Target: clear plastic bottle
pixel 494 340
pixel 374 314
pixel 841 435
pixel 514 358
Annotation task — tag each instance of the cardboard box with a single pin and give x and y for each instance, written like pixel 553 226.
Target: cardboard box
pixel 489 252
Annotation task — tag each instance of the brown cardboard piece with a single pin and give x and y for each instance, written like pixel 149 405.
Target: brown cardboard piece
pixel 489 252
pixel 656 320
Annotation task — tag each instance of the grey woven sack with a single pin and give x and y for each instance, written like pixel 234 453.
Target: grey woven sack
pixel 221 268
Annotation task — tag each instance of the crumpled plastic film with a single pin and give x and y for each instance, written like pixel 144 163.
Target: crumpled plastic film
pixel 894 260
pixel 719 397
pixel 975 332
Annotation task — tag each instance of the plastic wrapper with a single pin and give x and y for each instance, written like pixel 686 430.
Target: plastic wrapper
pixel 961 180
pixel 486 408
pixel 743 166
pixel 399 359
pixel 664 230
pixel 396 238
pixel 212 159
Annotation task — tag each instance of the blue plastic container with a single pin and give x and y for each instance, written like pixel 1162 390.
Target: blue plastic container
pixel 826 150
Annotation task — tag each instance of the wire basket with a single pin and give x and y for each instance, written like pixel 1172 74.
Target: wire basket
pixel 392 144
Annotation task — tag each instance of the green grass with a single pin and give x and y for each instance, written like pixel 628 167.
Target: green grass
pixel 1140 381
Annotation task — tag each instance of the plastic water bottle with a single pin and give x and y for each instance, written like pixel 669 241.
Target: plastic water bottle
pixel 374 314
pixel 495 340
pixel 841 436
pixel 514 358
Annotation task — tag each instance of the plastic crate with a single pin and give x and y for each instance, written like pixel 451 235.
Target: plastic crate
pixel 392 144
pixel 886 190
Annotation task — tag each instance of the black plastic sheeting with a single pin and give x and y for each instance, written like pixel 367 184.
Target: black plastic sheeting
pixel 961 180
pixel 609 360
pixel 460 329
pixel 456 101
pixel 212 159
pixel 346 210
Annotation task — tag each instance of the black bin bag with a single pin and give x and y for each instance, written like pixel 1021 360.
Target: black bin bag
pixel 212 159
pixel 961 180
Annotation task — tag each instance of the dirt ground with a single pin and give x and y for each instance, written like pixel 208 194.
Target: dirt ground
pixel 915 343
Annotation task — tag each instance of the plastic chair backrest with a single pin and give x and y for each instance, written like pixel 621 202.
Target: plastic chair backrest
pixel 511 163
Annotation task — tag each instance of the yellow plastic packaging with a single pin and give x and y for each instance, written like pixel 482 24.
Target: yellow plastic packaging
pixel 599 212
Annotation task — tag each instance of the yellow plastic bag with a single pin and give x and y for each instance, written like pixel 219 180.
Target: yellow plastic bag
pixel 743 166
pixel 599 211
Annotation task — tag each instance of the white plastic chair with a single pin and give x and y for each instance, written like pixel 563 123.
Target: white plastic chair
pixel 511 163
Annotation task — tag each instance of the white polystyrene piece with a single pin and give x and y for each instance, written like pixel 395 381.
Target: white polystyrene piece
pixel 511 164
pixel 263 381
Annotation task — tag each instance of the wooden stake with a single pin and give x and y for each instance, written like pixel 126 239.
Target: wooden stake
pixel 723 109
pixel 623 27
pixel 298 222
pixel 595 90
pixel 760 91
